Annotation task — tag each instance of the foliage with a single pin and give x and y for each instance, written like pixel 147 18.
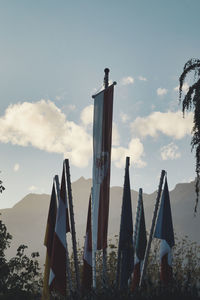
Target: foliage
pixel 186 274
pixel 19 277
pixel 2 188
pixel 191 100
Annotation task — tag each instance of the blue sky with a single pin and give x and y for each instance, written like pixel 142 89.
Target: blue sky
pixel 52 57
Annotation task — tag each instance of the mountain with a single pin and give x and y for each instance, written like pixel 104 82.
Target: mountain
pixel 26 221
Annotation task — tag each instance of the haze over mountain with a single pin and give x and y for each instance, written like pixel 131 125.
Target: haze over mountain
pixel 26 221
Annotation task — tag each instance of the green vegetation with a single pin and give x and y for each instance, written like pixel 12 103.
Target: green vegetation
pixel 19 277
pixel 191 100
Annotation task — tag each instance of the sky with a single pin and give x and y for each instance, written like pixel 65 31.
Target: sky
pixel 52 60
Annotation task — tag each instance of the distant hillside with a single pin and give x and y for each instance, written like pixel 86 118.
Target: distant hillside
pixel 26 221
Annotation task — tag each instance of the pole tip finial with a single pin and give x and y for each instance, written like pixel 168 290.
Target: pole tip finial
pixel 106 70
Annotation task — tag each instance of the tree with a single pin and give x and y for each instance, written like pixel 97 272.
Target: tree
pixel 191 100
pixel 19 277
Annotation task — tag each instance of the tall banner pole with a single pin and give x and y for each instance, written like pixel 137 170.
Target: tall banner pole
pixel 71 210
pixel 93 246
pixel 104 275
pixel 69 277
pixel 152 227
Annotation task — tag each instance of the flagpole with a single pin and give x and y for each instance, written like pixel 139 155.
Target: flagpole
pixel 93 248
pixel 152 227
pixel 56 181
pixel 71 210
pixel 106 83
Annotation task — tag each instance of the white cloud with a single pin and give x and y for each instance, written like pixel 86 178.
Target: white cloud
pixel 42 125
pixel 135 150
pixel 161 91
pixel 142 78
pixel 185 88
pixel 124 117
pixel 32 188
pixel 16 167
pixel 127 80
pixel 87 115
pixel 115 135
pixel 169 123
pixel 170 152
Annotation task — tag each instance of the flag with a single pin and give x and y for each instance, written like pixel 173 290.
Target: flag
pixel 87 255
pixel 48 242
pixel 164 231
pixel 102 135
pixel 140 247
pixel 63 194
pixel 126 252
pixel 57 280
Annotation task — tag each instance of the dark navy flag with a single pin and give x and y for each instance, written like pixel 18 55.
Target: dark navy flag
pixel 164 231
pixel 126 233
pixel 140 247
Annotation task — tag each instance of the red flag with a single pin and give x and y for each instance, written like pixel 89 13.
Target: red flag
pixel 48 242
pixel 87 256
pixel 57 280
pixel 102 135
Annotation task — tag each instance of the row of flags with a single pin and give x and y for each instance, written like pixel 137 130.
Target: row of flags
pixel 131 255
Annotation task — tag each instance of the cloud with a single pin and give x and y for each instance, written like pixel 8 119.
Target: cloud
pixel 124 117
pixel 16 167
pixel 32 188
pixel 161 91
pixel 135 150
pixel 115 135
pixel 170 152
pixel 185 88
pixel 169 123
pixel 87 115
pixel 42 125
pixel 127 80
pixel 142 78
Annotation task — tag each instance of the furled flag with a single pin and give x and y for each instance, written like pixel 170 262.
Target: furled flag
pixel 57 280
pixel 102 135
pixel 48 242
pixel 63 194
pixel 140 247
pixel 87 255
pixel 164 231
pixel 125 251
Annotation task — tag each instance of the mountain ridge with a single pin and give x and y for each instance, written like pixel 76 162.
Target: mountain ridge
pixel 26 220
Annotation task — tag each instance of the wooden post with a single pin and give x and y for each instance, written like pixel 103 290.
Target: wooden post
pixel 152 227
pixel 71 210
pixel 57 188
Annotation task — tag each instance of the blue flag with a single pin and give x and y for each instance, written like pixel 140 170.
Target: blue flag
pixel 126 233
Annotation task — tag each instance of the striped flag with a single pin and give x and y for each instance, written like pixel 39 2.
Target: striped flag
pixel 87 255
pixel 48 242
pixel 164 231
pixel 126 253
pixel 140 247
pixel 57 280
pixel 102 135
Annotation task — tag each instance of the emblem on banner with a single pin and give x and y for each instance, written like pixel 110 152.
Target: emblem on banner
pixel 101 167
